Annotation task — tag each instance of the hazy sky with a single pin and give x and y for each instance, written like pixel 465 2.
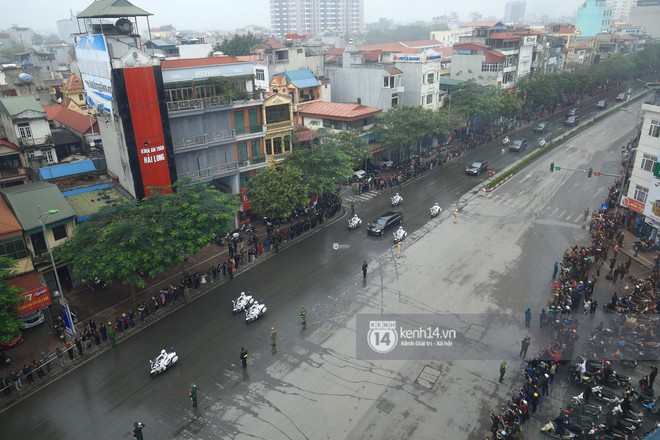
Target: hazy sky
pixel 201 15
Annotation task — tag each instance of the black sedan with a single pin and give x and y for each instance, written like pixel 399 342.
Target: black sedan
pixel 477 167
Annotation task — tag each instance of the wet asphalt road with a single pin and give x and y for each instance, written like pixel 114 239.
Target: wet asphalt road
pixel 497 259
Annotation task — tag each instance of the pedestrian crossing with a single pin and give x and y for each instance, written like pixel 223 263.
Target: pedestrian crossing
pixel 360 198
pixel 548 212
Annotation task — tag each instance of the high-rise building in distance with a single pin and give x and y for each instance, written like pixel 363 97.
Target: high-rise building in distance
pixel 316 16
pixel 514 11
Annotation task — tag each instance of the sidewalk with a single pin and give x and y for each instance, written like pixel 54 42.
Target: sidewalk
pixel 104 306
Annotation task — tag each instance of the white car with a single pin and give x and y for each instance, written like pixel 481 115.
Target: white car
pixel 32 319
pixel 384 162
pixel 360 174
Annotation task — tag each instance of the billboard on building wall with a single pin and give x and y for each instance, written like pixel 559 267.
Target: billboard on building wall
pixel 140 92
pixel 652 205
pixel 95 70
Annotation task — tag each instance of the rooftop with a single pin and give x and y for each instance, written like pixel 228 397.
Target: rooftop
pixel 182 63
pixel 75 121
pixel 25 201
pixel 90 200
pixel 14 105
pixel 301 78
pixel 9 225
pixel 339 111
pixel 112 9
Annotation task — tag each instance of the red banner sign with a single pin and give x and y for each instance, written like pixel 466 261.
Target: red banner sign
pixel 35 300
pixel 633 205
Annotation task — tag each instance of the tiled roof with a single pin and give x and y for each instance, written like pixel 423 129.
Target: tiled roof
pixel 471 46
pixel 480 23
pixel 14 105
pixel 26 199
pixel 301 78
pixel 181 63
pixel 493 56
pixel 76 121
pixel 393 71
pixel 72 83
pixel 339 111
pixel 9 225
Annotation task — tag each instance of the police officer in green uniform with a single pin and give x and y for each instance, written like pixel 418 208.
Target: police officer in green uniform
pixel 137 430
pixel 193 394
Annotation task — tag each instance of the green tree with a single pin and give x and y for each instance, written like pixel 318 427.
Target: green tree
pixel 238 44
pixel 9 301
pixel 350 142
pixel 410 126
pixel 276 192
pixel 418 31
pixel 148 237
pixel 321 166
pixel 473 100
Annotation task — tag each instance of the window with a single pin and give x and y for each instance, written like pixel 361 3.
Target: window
pixel 48 154
pixel 395 100
pixel 654 129
pixel 239 121
pixel 13 248
pixel 59 232
pixel 648 161
pixel 429 98
pixel 242 149
pixel 253 117
pixel 25 131
pixel 277 113
pixel 490 67
pixel 429 78
pixel 255 146
pixel 641 193
pixel 261 75
pixel 388 82
pixel 269 146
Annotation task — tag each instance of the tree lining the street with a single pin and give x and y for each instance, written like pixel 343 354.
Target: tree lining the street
pixel 134 240
pixel 9 301
pixel 410 126
pixel 238 44
pixel 276 192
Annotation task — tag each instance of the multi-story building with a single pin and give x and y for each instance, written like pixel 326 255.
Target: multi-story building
pixel 363 78
pixel 594 17
pixel 301 85
pixel 621 10
pixel 646 14
pixel 273 57
pixel 216 116
pixel 316 16
pixel 67 27
pixel 25 125
pixel 641 198
pixel 514 11
pixel 13 170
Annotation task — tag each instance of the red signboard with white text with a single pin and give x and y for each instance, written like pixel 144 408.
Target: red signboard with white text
pixel 34 300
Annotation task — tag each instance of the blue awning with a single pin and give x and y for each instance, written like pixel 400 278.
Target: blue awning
pixel 67 169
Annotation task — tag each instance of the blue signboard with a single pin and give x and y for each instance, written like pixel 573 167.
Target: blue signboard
pixel 604 207
pixel 68 320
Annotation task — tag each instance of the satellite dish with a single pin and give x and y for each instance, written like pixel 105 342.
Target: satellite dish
pixel 124 26
pixel 25 77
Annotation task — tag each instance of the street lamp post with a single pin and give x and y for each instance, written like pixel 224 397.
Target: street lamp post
pixel 63 302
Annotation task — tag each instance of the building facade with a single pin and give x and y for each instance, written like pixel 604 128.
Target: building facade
pixel 316 16
pixel 594 17
pixel 514 11
pixel 646 14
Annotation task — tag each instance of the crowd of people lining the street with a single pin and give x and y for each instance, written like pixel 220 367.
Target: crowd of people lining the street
pixel 569 287
pixel 241 251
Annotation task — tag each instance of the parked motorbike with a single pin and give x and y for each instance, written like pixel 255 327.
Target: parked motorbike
pixel 643 246
pixel 255 312
pixel 164 361
pixel 506 141
pixel 242 302
pixel 435 210
pixel 604 395
pixel 59 328
pixel 551 429
pixel 397 199
pixel 74 314
pixel 399 235
pixel 248 228
pixel 354 222
pixel 99 284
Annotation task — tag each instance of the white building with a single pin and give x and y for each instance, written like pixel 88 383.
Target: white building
pixel 67 27
pixel 316 16
pixel 621 9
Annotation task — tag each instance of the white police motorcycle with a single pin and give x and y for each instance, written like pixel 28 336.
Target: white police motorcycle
pixel 242 302
pixel 435 210
pixel 255 312
pixel 399 235
pixel 397 199
pixel 164 361
pixel 354 222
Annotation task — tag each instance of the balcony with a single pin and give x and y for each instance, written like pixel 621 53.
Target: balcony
pixel 251 164
pixel 208 174
pixel 203 140
pixel 32 141
pixel 211 102
pixel 5 174
pixel 251 132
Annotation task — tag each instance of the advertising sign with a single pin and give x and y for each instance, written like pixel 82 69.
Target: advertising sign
pixel 652 207
pixel 95 69
pixel 146 123
pixel 633 205
pixel 35 299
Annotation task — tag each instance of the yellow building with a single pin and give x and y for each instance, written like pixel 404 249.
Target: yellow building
pixel 278 118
